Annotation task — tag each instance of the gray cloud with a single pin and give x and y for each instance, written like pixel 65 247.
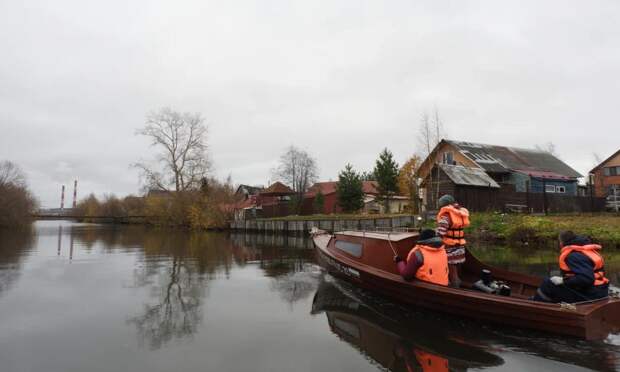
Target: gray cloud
pixel 340 79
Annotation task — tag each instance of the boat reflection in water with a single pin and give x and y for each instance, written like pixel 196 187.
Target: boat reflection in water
pixel 390 336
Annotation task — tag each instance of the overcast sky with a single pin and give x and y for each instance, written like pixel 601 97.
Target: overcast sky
pixel 341 79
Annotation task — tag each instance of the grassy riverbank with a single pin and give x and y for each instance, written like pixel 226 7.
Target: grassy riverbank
pixel 519 229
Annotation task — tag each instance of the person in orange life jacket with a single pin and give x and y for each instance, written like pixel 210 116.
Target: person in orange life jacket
pixel 583 272
pixel 451 220
pixel 427 261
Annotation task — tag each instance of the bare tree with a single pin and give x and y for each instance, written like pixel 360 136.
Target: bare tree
pixel 430 133
pixel 182 141
pixel 11 174
pixel 16 202
pixel 298 169
pixel 548 147
pixel 597 158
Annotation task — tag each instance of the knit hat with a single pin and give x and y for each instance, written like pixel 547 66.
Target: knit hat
pixel 445 200
pixel 427 234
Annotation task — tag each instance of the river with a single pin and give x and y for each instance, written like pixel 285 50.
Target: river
pixel 86 297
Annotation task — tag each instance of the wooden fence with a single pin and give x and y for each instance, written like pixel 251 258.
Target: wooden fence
pixel 505 199
pixel 301 225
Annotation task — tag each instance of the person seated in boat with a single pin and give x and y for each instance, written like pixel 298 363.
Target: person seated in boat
pixel 451 220
pixel 583 272
pixel 427 261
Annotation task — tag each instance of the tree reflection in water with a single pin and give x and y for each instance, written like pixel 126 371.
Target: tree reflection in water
pixel 14 245
pixel 288 260
pixel 177 267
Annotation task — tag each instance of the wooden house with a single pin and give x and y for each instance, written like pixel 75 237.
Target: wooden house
pixel 481 171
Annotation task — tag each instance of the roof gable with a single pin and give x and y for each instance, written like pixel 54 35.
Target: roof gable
pixel 605 161
pixel 277 188
pixel 502 159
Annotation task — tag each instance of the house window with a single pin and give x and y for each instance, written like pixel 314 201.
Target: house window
pixel 354 249
pixel 560 189
pixel 612 171
pixel 606 171
pixel 448 158
pixel 549 188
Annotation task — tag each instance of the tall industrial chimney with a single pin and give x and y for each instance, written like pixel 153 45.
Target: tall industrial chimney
pixel 74 194
pixel 62 198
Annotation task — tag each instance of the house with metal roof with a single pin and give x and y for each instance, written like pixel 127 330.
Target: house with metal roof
pixel 454 164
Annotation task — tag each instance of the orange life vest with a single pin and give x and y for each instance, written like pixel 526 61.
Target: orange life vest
pixel 431 362
pixel 592 252
pixel 459 220
pixel 435 266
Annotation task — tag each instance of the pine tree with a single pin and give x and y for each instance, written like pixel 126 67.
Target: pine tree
pixel 386 174
pixel 367 176
pixel 349 190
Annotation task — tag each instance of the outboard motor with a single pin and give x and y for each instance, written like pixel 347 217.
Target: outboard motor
pixel 488 285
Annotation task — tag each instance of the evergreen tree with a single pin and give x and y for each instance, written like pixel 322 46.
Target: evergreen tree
pixel 367 176
pixel 319 202
pixel 386 174
pixel 349 190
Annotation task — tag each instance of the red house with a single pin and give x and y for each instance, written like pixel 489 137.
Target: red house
pixel 328 189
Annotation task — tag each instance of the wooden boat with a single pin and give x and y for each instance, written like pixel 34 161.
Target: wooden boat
pixel 366 259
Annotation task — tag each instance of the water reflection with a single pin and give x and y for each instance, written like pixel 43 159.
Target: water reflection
pixel 76 297
pixel 176 267
pixel 14 247
pixel 400 338
pixel 388 335
pixel 288 260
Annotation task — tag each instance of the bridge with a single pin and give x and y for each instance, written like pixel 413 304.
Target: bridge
pixel 73 214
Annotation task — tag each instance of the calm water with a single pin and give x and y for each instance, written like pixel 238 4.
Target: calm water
pixel 77 297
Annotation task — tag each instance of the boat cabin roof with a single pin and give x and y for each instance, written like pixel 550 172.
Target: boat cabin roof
pixel 394 236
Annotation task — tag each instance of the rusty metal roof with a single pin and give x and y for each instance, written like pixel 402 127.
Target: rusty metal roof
pixel 467 176
pixel 502 159
pixel 277 189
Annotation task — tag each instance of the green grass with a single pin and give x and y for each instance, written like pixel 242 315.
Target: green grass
pixel 604 228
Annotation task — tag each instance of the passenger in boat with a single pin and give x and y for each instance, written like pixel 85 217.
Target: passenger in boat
pixel 427 261
pixel 451 220
pixel 583 272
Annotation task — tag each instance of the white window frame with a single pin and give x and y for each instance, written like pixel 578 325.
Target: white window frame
pixel 550 188
pixel 444 157
pixel 560 189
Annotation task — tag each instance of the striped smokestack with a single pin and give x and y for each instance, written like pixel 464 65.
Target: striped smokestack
pixel 62 198
pixel 74 194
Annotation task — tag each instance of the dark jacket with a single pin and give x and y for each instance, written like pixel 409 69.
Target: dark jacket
pixel 583 268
